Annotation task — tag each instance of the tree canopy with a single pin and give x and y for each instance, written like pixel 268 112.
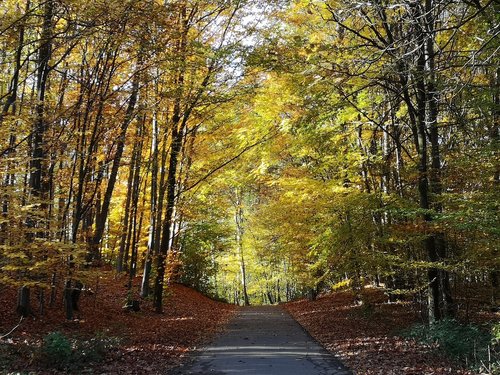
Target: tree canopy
pixel 257 150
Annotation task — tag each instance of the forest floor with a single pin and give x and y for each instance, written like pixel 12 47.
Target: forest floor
pixel 367 337
pixel 143 342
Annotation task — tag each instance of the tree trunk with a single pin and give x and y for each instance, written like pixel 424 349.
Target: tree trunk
pixel 434 292
pixel 14 84
pixel 136 189
pixel 23 302
pixel 435 171
pixel 153 207
pixel 102 215
pixel 495 138
pixel 38 174
pixel 179 122
pixel 37 164
pixel 175 148
pixel 125 235
pixel 238 218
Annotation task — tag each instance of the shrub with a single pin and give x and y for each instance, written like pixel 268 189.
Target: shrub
pixel 56 350
pixel 94 349
pixel 470 344
pixel 5 356
pixel 59 352
pixel 494 365
pixel 495 334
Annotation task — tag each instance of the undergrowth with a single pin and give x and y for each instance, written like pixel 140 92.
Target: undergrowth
pixel 60 352
pixel 476 347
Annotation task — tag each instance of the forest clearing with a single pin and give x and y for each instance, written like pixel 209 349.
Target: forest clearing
pixel 339 159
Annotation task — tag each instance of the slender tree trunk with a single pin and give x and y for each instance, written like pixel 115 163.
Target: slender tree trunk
pixel 39 174
pixel 9 179
pixel 435 171
pixel 14 84
pixel 162 186
pixel 125 235
pixel 423 179
pixel 495 139
pixel 238 218
pixel 37 164
pixel 102 215
pixel 153 207
pixel 136 190
pixel 169 214
pixel 179 122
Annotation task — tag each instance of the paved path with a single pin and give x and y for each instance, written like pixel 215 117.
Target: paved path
pixel 264 340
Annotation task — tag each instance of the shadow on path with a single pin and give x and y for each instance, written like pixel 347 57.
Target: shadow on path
pixel 264 340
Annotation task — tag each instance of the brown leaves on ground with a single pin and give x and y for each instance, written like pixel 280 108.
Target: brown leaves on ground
pixel 149 342
pixel 366 337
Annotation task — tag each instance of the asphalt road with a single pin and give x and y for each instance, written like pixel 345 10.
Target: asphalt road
pixel 264 340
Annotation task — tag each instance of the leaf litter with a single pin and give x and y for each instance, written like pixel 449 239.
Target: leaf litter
pixel 148 342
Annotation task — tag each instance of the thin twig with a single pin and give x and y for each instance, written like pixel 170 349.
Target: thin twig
pixel 13 329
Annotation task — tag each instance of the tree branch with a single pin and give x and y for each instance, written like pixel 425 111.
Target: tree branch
pixel 245 149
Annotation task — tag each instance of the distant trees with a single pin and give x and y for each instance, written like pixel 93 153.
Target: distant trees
pixel 385 113
pixel 378 97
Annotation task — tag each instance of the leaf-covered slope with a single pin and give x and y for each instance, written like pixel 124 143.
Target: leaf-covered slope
pixel 149 342
pixel 365 337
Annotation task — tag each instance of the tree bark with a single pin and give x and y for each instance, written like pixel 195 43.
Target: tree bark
pixel 433 275
pixel 38 153
pixel 175 148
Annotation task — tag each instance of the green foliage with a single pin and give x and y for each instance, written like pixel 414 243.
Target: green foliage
pixel 470 344
pixel 62 353
pixel 5 355
pixel 94 349
pixel 56 350
pixel 494 365
pixel 198 268
pixel 206 238
pixel 495 333
pixel 368 310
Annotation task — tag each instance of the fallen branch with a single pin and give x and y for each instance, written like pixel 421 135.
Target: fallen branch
pixel 13 329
